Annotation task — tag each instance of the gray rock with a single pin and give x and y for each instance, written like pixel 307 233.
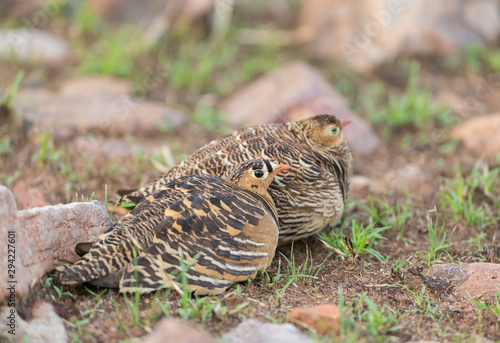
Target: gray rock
pixel 293 92
pixel 45 327
pixel 99 105
pixel 32 45
pixel 45 237
pixel 254 331
pixel 366 33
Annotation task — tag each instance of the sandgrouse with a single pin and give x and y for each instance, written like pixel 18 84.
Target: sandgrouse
pixel 309 197
pixel 213 230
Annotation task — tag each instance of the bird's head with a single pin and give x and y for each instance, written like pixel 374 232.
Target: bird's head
pixel 324 129
pixel 254 175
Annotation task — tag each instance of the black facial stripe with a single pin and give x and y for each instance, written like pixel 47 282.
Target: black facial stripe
pixel 268 164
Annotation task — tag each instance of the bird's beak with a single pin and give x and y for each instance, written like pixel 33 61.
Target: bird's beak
pixel 281 167
pixel 346 122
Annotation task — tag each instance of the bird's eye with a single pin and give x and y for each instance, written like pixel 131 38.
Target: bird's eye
pixel 260 174
pixel 334 131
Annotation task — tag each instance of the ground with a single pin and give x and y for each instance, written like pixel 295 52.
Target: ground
pixel 377 285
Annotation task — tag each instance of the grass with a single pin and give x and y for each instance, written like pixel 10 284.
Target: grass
pixel 477 58
pixel 414 109
pixel 378 322
pixel 7 99
pixel 193 65
pixel 437 240
pixel 111 51
pixel 361 317
pixel 363 240
pixel 59 290
pixel 288 274
pixel 492 307
pixel 210 119
pixel 58 160
pixel 461 193
pixel 380 212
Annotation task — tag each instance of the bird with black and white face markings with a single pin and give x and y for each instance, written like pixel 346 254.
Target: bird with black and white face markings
pixel 215 230
pixel 308 198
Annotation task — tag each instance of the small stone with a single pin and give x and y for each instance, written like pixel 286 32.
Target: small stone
pixel 325 319
pixel 45 327
pixel 293 92
pixel 98 105
pixel 470 280
pixel 45 237
pixel 480 135
pixel 28 197
pixel 254 331
pixel 173 330
pixel 32 45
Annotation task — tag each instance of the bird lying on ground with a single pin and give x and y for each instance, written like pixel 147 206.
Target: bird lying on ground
pixel 308 198
pixel 211 230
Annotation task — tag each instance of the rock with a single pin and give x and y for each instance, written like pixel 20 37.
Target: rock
pixel 410 177
pixel 480 135
pixel 254 331
pixel 173 330
pixel 470 280
pixel 325 319
pixel 28 197
pixel 366 33
pixel 293 92
pixel 45 327
pixel 99 105
pixel 32 45
pixel 45 237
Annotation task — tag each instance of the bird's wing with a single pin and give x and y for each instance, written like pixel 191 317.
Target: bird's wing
pixel 207 239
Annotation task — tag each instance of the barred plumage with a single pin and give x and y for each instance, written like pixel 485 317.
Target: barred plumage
pixel 216 230
pixel 308 198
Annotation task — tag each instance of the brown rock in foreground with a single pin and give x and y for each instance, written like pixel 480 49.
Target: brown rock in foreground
pixel 45 326
pixel 173 330
pixel 293 92
pixel 99 105
pixel 480 135
pixel 365 33
pixel 470 280
pixel 325 319
pixel 44 237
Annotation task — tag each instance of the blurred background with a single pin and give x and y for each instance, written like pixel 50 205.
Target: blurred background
pixel 115 92
pixel 101 95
